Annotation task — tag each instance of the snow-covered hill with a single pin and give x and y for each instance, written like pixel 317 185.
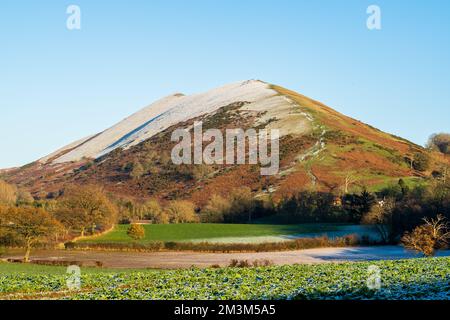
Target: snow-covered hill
pixel 159 116
pixel 319 148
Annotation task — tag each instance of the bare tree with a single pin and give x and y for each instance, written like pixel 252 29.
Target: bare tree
pixel 439 229
pixel 429 237
pixel 380 216
pixel 348 181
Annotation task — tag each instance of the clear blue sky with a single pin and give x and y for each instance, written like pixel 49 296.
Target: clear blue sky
pixel 58 85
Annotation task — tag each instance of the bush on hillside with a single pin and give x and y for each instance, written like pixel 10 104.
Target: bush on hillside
pixel 24 198
pixel 421 162
pixel 137 171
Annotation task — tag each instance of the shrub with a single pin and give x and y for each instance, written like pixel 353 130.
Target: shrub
pixel 202 171
pixel 99 264
pixel 263 263
pixel 235 263
pixel 136 232
pixel 69 245
pixel 138 171
pixel 429 237
pixel 24 197
pixel 421 162
pixel 421 240
pixel 127 167
pixel 239 263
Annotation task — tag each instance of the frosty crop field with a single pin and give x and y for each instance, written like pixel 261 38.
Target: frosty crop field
pixel 405 279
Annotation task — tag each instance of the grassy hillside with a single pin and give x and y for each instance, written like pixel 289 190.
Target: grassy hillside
pixel 373 158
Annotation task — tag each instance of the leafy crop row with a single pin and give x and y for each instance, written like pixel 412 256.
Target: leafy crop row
pixel 406 279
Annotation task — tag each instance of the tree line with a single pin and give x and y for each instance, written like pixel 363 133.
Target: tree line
pixel 28 223
pixel 395 211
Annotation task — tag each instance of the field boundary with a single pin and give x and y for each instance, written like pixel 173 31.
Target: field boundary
pixel 94 236
pixel 291 245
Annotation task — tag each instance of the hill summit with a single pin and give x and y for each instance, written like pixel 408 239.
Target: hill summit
pixel 320 149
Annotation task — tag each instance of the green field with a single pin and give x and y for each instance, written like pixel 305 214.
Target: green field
pixel 186 232
pixel 405 279
pixel 410 182
pixel 36 270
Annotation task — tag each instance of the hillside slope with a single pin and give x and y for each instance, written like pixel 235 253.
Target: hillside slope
pixel 157 117
pixel 320 149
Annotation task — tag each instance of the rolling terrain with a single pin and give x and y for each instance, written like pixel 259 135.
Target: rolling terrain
pixel 320 149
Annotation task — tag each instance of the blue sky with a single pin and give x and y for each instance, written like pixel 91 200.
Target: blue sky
pixel 57 85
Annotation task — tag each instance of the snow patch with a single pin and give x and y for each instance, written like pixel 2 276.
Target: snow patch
pixel 163 114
